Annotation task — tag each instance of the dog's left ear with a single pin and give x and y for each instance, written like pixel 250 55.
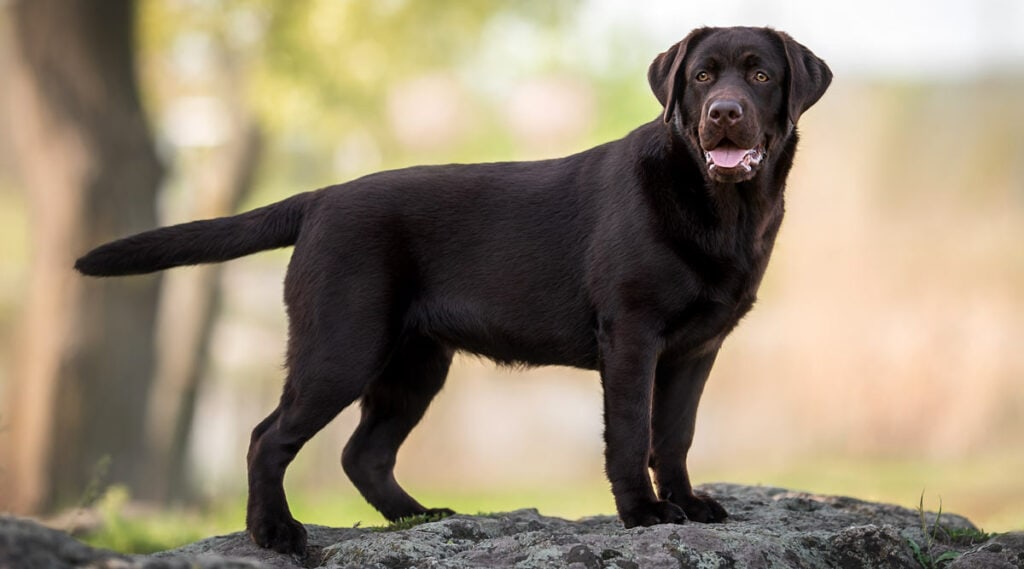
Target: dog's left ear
pixel 809 77
pixel 665 72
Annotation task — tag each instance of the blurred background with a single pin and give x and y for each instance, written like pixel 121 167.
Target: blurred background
pixel 884 360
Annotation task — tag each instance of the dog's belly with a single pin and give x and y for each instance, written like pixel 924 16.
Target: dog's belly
pixel 541 333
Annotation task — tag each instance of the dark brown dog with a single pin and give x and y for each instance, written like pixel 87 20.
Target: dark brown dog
pixel 635 258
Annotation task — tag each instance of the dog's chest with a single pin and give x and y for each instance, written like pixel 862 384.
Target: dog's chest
pixel 722 292
pixel 704 320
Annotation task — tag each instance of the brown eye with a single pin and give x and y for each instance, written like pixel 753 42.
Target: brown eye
pixel 761 77
pixel 703 76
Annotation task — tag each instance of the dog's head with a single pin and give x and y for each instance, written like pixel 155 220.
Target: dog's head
pixel 735 94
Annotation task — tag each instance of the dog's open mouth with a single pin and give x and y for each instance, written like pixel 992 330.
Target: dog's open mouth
pixel 728 158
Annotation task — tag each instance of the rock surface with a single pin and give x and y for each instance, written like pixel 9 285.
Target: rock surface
pixel 768 527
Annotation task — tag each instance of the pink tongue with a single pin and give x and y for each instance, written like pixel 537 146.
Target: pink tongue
pixel 727 157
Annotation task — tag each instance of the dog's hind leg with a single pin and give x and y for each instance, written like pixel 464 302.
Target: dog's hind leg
pixel 391 406
pixel 336 349
pixel 311 399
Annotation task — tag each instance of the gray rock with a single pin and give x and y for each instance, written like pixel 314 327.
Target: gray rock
pixel 26 544
pixel 1004 551
pixel 768 527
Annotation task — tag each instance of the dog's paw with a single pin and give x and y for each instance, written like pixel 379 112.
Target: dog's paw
pixel 283 535
pixel 439 513
pixel 652 513
pixel 703 508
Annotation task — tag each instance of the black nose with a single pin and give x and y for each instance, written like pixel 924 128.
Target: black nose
pixel 725 112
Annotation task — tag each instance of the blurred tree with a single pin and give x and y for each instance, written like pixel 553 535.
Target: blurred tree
pixel 216 175
pixel 88 160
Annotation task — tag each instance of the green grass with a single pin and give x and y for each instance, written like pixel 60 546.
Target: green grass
pixel 965 536
pixel 149 534
pixel 923 553
pixel 344 507
pixel 411 522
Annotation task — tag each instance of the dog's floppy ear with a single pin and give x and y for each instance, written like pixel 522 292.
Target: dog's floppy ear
pixel 809 77
pixel 665 76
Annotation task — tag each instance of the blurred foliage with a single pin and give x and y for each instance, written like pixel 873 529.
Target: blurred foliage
pixel 118 532
pixel 318 71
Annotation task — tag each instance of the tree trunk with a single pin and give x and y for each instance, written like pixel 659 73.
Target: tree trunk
pixel 78 405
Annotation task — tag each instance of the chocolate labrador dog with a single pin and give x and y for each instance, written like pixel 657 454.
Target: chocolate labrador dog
pixel 635 258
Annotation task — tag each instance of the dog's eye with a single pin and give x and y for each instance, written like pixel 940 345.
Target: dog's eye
pixel 703 76
pixel 761 77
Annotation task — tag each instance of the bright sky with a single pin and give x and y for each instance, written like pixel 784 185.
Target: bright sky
pixel 910 38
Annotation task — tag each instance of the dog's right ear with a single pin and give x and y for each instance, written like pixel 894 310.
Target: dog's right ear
pixel 666 72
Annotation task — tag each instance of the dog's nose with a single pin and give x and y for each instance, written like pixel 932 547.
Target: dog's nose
pixel 725 112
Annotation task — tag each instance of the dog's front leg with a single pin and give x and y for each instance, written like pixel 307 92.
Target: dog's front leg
pixel 678 385
pixel 628 361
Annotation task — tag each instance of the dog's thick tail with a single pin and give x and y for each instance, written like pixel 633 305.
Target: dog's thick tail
pixel 207 241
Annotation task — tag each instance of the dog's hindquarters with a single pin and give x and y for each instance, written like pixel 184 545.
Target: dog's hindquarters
pixel 346 306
